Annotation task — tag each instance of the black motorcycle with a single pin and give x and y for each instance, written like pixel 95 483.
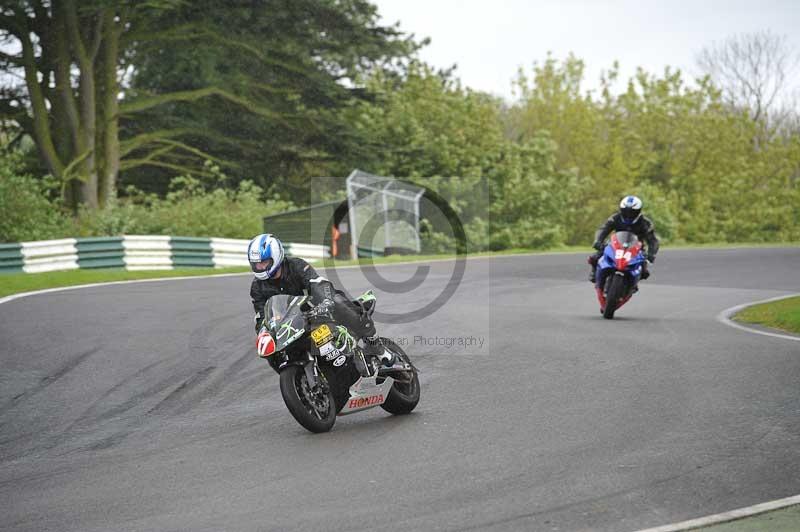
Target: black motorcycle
pixel 325 373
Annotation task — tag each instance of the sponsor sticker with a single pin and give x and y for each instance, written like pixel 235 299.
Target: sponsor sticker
pixel 324 349
pixel 339 361
pixel 329 351
pixel 322 335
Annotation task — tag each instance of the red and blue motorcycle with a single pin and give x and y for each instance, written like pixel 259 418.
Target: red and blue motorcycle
pixel 618 272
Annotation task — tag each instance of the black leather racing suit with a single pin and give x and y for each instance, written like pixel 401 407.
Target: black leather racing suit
pixel 296 276
pixel 643 229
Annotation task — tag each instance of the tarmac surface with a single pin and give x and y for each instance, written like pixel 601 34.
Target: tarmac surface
pixel 143 406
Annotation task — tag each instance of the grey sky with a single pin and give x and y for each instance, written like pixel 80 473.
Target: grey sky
pixel 490 40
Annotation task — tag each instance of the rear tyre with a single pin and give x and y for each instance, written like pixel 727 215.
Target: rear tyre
pixel 403 396
pixel 314 411
pixel 616 288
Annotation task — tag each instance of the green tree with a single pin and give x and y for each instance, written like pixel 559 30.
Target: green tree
pixel 298 65
pixel 69 57
pixel 552 100
pixel 677 144
pixel 425 127
pixel 94 70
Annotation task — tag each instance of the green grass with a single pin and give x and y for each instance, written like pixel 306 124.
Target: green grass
pixel 784 520
pixel 426 258
pixel 14 283
pixel 783 315
pixel 728 245
pixel 26 282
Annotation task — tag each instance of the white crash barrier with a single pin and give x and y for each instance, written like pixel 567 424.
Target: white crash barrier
pixel 140 252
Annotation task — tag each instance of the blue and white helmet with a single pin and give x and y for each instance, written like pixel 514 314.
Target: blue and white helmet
pixel 630 208
pixel 265 254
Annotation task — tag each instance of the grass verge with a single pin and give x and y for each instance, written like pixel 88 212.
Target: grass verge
pixel 784 520
pixel 15 283
pixel 426 258
pixel 783 315
pixel 729 245
pixel 26 282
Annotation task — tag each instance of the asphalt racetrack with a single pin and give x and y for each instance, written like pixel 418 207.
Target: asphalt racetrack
pixel 143 407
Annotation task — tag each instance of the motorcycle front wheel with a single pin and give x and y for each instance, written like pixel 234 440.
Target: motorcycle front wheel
pixel 313 409
pixel 615 291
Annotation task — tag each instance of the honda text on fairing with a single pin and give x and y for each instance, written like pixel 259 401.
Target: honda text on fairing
pixel 324 372
pixel 618 272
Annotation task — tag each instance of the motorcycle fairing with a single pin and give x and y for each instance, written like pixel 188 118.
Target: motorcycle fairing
pixel 615 250
pixel 366 393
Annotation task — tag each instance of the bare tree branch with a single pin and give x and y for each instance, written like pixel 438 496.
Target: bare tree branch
pixel 98 37
pixel 753 70
pixel 133 163
pixel 41 123
pixel 193 31
pixel 142 104
pixel 139 141
pixel 70 169
pixel 194 151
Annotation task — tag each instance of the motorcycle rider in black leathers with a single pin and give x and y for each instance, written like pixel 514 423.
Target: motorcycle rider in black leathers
pixel 629 218
pixel 277 274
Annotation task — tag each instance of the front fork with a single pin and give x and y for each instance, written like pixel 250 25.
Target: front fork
pixel 316 380
pixel 599 286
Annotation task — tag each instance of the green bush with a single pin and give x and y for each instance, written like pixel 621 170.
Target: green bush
pixel 193 207
pixel 190 209
pixel 28 213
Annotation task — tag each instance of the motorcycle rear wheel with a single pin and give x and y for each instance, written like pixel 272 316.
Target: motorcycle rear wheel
pixel 616 289
pixel 403 396
pixel 299 401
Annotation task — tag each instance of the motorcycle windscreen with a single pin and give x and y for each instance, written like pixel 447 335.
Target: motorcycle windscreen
pixel 620 243
pixel 285 320
pixel 629 242
pixel 626 239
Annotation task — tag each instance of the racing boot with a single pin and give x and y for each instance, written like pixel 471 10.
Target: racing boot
pixel 592 260
pixel 373 346
pixel 645 271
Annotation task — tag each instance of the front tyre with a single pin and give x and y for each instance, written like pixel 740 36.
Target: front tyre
pixel 404 396
pixel 616 288
pixel 313 409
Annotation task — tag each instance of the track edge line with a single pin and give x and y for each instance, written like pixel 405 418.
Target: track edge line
pixel 12 297
pixel 727 517
pixel 724 317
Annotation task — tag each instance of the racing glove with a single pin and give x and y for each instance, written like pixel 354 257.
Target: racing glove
pixel 651 258
pixel 265 345
pixel 323 311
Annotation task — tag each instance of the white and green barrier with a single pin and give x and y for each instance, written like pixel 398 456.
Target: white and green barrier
pixel 136 252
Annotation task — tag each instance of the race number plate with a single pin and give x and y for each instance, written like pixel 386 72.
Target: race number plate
pixel 322 335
